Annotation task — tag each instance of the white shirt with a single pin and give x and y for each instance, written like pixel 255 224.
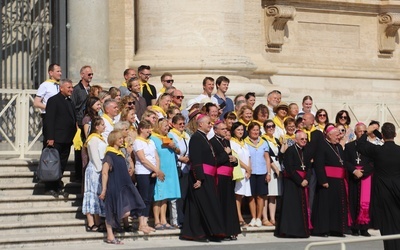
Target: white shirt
pixel 96 150
pixel 47 90
pixel 202 98
pixel 108 128
pixel 149 150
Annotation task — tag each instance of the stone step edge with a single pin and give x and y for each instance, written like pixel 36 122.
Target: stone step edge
pixel 24 162
pixel 39 210
pixel 39 224
pixel 28 198
pixel 67 173
pixel 29 238
pixel 32 185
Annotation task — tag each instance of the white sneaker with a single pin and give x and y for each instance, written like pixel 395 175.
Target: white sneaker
pixel 252 222
pixel 258 222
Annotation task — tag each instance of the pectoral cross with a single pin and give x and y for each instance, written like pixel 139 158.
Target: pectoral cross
pixel 303 167
pixel 341 162
pixel 358 160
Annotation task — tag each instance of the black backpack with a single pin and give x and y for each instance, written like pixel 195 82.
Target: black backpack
pixel 49 168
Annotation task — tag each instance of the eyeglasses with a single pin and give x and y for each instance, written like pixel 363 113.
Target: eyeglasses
pixel 131 103
pixel 342 130
pixel 181 123
pixel 343 117
pixel 303 139
pixel 90 74
pixel 169 81
pixel 179 96
pixel 146 75
pixel 322 115
pixel 269 126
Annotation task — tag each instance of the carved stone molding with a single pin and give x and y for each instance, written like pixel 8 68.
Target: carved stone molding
pixel 275 22
pixel 389 23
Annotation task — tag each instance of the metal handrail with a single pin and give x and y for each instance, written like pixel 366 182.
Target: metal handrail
pixel 343 242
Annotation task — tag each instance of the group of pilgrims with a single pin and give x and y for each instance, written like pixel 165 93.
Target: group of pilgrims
pixel 207 162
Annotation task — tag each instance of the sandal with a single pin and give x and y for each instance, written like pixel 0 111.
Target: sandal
pixel 168 226
pixel 159 226
pixel 101 228
pixel 114 241
pixel 267 223
pixel 144 229
pixel 92 228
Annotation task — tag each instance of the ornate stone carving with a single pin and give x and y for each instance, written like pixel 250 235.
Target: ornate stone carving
pixel 389 23
pixel 275 22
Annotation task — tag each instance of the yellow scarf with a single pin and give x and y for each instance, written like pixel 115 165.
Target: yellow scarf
pixel 159 109
pixel 162 90
pixel 259 123
pixel 245 124
pixel 123 84
pixel 173 105
pixel 286 137
pixel 53 81
pixel 321 127
pixel 143 139
pixel 142 84
pixel 309 132
pixel 113 150
pixel 105 116
pixel 241 143
pixel 278 122
pixel 250 142
pixel 92 135
pixel 270 139
pixel 181 135
pixel 158 135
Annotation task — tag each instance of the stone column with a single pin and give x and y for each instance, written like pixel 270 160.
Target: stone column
pixel 88 38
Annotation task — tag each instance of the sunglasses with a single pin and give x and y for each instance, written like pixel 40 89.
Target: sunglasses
pixel 131 103
pixel 169 81
pixel 303 139
pixel 343 117
pixel 322 115
pixel 342 130
pixel 90 74
pixel 179 96
pixel 270 126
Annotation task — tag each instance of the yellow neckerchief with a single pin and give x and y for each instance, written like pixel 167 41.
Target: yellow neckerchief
pixel 287 137
pixel 321 127
pixel 250 142
pixel 178 133
pixel 159 109
pixel 245 124
pixel 105 116
pixel 123 84
pixel 92 135
pixel 53 81
pixel 278 122
pixel 270 139
pixel 173 105
pixel 162 90
pixel 113 150
pixel 158 135
pixel 132 128
pixel 241 143
pixel 147 87
pixel 309 132
pixel 259 123
pixel 234 112
pixel 143 139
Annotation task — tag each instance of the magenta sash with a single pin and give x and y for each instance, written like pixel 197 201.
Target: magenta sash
pixel 225 170
pixel 365 198
pixel 303 175
pixel 209 170
pixel 340 173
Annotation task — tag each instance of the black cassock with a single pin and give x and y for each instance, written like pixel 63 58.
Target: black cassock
pixel 385 206
pixel 330 208
pixel 203 214
pixel 293 219
pixel 226 187
pixel 353 159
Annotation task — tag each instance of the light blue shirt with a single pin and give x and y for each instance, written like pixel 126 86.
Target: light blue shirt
pixel 258 163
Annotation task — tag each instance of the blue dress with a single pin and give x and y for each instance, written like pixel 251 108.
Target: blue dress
pixel 168 189
pixel 121 196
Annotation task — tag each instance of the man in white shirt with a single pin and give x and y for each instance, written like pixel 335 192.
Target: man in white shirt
pixel 206 96
pixel 273 99
pixel 110 112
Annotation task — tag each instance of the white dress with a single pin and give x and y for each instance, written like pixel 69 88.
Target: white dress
pixel 275 185
pixel 242 187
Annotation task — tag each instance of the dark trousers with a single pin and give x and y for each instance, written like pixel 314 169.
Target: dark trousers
pixel 44 131
pixel 64 150
pixel 184 184
pixel 145 186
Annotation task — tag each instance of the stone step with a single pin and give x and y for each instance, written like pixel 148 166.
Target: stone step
pixel 32 185
pixel 17 165
pixel 58 227
pixel 27 177
pixel 31 214
pixel 26 201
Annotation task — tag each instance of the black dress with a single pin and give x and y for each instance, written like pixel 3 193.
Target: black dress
pixel 226 187
pixel 203 214
pixel 121 196
pixel 385 187
pixel 294 219
pixel 330 208
pixel 351 156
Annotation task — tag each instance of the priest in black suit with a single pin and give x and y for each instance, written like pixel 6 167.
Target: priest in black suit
pixel 60 128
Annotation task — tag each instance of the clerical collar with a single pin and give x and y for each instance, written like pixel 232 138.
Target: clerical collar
pixel 201 131
pixel 298 146
pixel 219 137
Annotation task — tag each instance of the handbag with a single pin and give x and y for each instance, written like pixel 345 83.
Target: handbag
pixel 49 168
pixel 237 174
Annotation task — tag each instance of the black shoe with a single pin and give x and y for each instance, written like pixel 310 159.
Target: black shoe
pixel 355 233
pixel 233 237
pixel 320 235
pixel 215 239
pixel 365 233
pixel 64 194
pixel 52 193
